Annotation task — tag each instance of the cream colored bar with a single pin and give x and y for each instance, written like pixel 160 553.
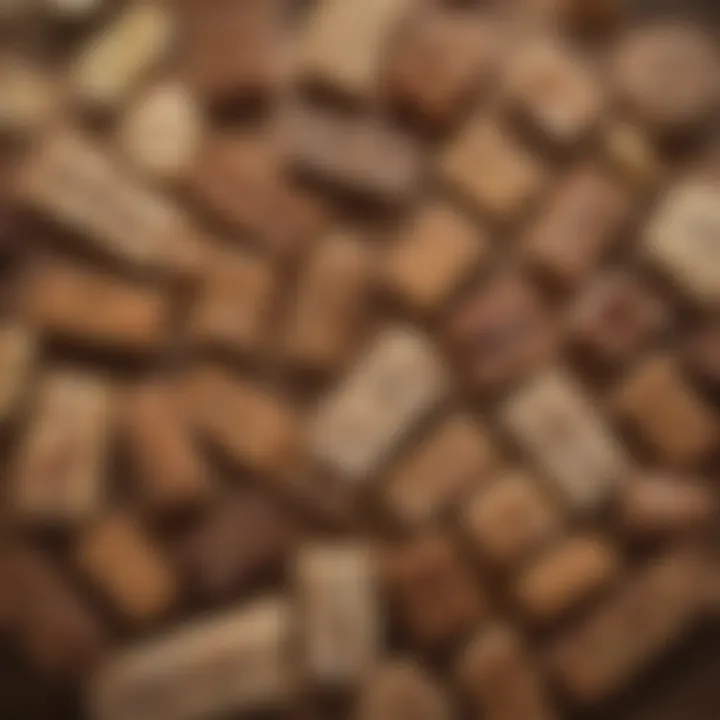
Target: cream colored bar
pixel 341 619
pixel 232 662
pixel 72 181
pixel 344 43
pixel 562 431
pixel 399 379
pixel 60 468
pixel 683 240
pixel 112 63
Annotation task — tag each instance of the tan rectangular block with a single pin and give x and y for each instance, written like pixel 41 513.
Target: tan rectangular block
pixel 500 678
pixel 554 91
pixel 232 48
pixel 559 427
pixel 121 54
pixel 501 333
pixel 243 536
pixel 168 469
pixel 239 179
pixel 509 519
pixel 439 63
pixel 581 222
pixel 18 356
pixel 91 307
pixel 432 256
pixel 55 629
pixel 235 661
pixel 326 316
pixel 123 562
pixel 565 576
pixel 359 155
pixel 433 589
pixel 341 623
pixel 664 410
pixel 402 688
pixel 257 428
pixel 396 382
pixel 457 455
pixel 74 182
pixel 489 165
pixel 644 618
pixel 683 240
pixel 59 472
pixel 234 303
pixel 343 43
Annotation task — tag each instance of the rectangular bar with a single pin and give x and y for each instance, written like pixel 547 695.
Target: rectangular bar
pixel 499 677
pixel 71 180
pixel 90 307
pixel 354 154
pixel 18 355
pixel 344 42
pixel 59 472
pixel 232 662
pixel 118 556
pixel 233 309
pixel 647 615
pixel 254 426
pixel 112 64
pixel 397 381
pixel 340 620
pixel 563 432
pixel 324 319
pixel 169 470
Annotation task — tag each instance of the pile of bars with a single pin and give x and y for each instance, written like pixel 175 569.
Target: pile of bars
pixel 358 358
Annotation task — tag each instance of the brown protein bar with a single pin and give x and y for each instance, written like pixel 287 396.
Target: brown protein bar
pixel 400 688
pixel 89 307
pixel 59 473
pixel 325 319
pixel 500 679
pixel 457 455
pixel 123 562
pixel 168 468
